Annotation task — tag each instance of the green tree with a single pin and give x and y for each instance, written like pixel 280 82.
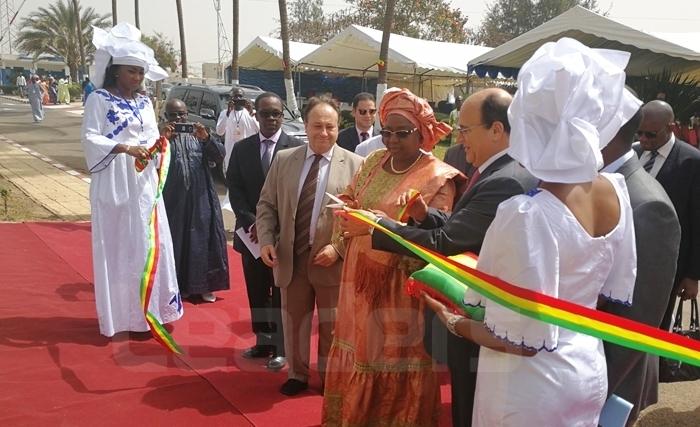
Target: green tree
pixel 424 19
pixel 52 31
pixel 507 19
pixel 307 22
pixel 163 50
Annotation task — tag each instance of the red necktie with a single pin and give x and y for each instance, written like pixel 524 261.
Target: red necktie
pixel 473 179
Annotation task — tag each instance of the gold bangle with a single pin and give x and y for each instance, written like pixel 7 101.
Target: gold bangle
pixel 452 324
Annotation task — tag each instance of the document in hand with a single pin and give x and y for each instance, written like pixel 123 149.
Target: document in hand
pixel 253 248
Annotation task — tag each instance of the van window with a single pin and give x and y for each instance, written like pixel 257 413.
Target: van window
pixel 192 101
pixel 209 100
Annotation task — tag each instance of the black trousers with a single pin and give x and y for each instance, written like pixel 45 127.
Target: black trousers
pixel 265 303
pixel 462 359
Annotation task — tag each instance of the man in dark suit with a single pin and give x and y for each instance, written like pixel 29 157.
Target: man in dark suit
pixel 245 176
pixel 634 375
pixel 484 131
pixel 676 165
pixel 363 111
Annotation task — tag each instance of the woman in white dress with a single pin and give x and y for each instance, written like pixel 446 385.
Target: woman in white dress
pixel 119 126
pixel 572 239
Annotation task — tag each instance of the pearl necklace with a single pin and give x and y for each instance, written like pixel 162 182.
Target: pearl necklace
pixel 391 165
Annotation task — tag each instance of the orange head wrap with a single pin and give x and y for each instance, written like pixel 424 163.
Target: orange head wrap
pixel 417 111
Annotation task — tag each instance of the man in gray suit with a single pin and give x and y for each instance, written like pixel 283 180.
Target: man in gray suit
pixel 633 375
pixel 484 131
pixel 295 229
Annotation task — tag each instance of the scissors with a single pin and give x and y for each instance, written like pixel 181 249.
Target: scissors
pixel 339 204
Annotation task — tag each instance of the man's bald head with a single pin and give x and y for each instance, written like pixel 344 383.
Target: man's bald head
pixel 484 127
pixel 174 104
pixel 493 104
pixel 655 129
pixel 658 109
pixel 175 110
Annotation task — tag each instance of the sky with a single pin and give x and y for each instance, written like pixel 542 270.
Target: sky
pixel 260 18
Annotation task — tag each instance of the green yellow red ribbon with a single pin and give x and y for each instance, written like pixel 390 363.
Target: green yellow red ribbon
pixel 413 195
pixel 149 270
pixel 605 326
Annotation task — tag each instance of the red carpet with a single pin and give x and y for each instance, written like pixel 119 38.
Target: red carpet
pixel 56 369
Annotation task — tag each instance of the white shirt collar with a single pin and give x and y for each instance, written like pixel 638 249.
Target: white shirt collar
pixel 612 167
pixel 327 155
pixel 665 149
pixel 274 138
pixel 492 159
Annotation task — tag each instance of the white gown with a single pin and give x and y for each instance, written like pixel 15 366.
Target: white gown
pixel 537 243
pixel 121 200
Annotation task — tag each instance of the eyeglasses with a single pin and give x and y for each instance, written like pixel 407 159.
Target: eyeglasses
pixel 177 114
pixel 647 134
pixel 365 112
pixel 401 134
pixel 467 129
pixel 270 114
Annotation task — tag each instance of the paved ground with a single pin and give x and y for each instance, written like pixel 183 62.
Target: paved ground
pixel 46 162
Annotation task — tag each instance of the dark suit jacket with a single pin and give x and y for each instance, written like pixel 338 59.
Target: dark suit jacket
pixel 348 138
pixel 245 179
pixel 464 230
pixel 634 375
pixel 456 157
pixel 680 177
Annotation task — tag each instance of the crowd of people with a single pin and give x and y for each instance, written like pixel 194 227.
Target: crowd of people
pixel 548 187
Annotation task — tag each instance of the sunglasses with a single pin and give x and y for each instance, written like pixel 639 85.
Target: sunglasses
pixel 365 112
pixel 401 134
pixel 270 114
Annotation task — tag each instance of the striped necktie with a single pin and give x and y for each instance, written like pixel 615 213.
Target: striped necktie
pixel 364 136
pixel 649 165
pixel 267 155
pixel 305 208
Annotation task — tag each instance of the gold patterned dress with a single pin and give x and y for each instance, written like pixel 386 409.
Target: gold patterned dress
pixel 378 371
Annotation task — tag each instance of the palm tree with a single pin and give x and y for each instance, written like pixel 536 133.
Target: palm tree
pixel 183 50
pixel 114 12
pixel 234 51
pixel 78 32
pixel 288 82
pixel 52 31
pixel 384 50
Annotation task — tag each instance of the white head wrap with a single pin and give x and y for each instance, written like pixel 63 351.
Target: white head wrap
pixel 122 44
pixel 571 101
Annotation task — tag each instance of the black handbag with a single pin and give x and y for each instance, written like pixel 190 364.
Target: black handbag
pixel 670 370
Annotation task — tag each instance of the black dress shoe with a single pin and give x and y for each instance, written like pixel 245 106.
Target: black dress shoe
pixel 293 387
pixel 257 352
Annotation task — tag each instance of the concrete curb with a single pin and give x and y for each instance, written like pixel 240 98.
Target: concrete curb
pixel 14 98
pixel 60 190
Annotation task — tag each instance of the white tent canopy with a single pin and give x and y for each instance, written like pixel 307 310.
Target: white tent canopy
pixel 650 52
pixel 265 53
pixel 355 51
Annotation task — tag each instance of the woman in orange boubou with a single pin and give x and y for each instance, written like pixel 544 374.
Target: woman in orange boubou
pixel 378 371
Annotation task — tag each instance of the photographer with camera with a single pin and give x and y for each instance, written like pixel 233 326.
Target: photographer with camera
pixel 236 122
pixel 192 205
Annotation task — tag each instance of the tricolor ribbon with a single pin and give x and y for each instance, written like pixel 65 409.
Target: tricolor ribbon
pixel 599 324
pixel 149 270
pixel 413 195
